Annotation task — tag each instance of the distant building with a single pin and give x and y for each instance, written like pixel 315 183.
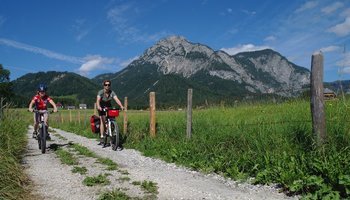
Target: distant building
pixel 70 107
pixel 329 94
pixel 82 106
pixel 59 105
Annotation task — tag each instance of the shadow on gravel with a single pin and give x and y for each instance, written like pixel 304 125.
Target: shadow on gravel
pixel 55 146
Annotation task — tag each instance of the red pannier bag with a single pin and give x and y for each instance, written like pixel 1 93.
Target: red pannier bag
pixel 95 124
pixel 113 113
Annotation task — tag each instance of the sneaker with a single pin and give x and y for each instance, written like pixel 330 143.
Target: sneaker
pixel 106 145
pixel 119 148
pixel 101 141
pixel 35 134
pixel 48 136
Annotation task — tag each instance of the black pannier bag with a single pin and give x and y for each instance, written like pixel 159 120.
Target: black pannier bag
pixel 95 124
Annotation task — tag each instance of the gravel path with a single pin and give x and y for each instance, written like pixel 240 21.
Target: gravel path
pixel 54 180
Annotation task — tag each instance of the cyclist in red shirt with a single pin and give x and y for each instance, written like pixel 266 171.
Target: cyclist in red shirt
pixel 40 101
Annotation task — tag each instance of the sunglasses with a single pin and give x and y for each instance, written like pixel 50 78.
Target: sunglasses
pixel 107 84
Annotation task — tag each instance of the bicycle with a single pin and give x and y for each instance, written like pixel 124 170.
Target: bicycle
pixel 111 128
pixel 42 136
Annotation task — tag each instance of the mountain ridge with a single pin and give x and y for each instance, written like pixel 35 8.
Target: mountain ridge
pixel 173 65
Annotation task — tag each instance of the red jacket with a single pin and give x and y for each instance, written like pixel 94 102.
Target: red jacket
pixel 41 102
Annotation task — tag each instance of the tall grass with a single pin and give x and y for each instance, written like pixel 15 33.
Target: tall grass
pixel 273 143
pixel 13 181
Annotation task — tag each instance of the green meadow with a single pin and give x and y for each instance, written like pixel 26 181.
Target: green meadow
pixel 260 143
pixel 273 143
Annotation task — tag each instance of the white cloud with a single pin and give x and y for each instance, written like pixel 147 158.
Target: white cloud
pixel 81 35
pixel 232 31
pixel 345 13
pixel 94 62
pixel 270 38
pixel 342 29
pixel 88 63
pixel 345 63
pixel 116 15
pixel 41 51
pixel 249 12
pixel 308 5
pixel 97 62
pixel 78 27
pixel 118 18
pixel 244 48
pixel 121 16
pixel 329 49
pixel 331 8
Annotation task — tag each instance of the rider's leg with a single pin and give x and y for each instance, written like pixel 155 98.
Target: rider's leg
pixel 36 124
pixel 102 129
pixel 106 143
pixel 102 125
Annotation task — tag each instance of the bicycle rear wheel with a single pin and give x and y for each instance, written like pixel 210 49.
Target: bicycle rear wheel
pixel 115 136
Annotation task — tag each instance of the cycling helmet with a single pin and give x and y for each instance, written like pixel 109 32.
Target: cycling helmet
pixel 42 87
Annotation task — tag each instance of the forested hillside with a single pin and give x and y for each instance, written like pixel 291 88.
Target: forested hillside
pixel 65 87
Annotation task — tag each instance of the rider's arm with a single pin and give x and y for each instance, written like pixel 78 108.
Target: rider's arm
pixel 98 99
pixel 118 102
pixel 53 105
pixel 31 105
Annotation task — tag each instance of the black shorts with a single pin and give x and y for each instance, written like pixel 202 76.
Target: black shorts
pixel 102 113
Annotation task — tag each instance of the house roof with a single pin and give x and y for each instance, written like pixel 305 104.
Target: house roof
pixel 327 90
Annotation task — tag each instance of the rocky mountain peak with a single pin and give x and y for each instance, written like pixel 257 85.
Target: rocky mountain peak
pixel 264 71
pixel 173 42
pixel 177 55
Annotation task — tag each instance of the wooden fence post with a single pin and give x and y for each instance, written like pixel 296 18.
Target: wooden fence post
pixel 125 123
pixel 152 108
pixel 70 116
pixel 317 99
pixel 85 118
pixel 189 114
pixel 95 109
pixel 79 117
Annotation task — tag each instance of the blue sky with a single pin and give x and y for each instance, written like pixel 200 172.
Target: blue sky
pixel 92 37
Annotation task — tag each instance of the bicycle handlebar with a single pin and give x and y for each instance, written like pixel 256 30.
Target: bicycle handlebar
pixel 42 111
pixel 105 109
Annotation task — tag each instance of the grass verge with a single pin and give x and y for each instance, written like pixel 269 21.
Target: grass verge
pixel 14 183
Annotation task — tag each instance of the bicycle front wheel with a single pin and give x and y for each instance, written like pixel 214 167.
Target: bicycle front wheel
pixel 43 134
pixel 115 136
pixel 38 137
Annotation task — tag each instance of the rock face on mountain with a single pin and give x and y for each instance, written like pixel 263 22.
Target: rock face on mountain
pixel 263 71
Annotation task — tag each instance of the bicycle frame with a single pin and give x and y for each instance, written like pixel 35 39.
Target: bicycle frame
pixel 108 124
pixel 111 130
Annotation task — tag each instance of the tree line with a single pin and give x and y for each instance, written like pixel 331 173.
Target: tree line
pixel 6 91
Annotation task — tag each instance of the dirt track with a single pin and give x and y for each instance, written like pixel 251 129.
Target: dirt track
pixel 54 180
